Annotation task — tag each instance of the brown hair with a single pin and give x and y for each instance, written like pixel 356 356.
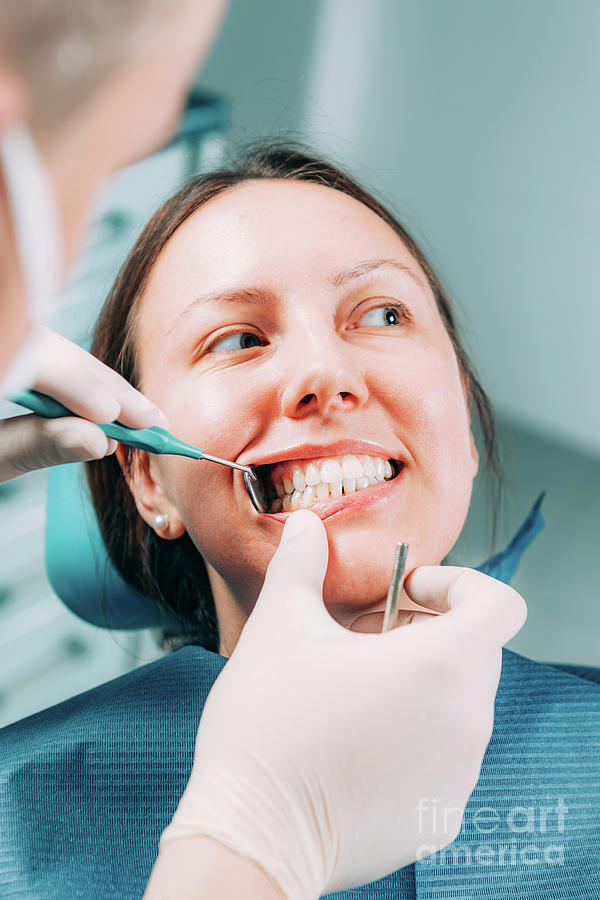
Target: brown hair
pixel 172 573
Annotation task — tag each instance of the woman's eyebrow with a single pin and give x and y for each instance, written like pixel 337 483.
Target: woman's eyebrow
pixel 253 296
pixel 370 265
pixel 264 297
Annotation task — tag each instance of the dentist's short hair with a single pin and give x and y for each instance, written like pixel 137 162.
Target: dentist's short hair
pixel 63 49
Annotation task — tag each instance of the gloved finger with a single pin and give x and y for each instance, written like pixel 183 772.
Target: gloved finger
pixel 412 617
pixel 292 591
pixel 372 623
pixel 31 442
pixel 88 387
pixel 476 606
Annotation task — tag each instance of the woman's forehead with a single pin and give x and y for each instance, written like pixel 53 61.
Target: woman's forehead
pixel 275 230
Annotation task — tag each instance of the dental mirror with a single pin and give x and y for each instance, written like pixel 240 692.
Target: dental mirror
pixel 256 490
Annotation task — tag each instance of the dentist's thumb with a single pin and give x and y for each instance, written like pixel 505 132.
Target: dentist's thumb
pixel 292 592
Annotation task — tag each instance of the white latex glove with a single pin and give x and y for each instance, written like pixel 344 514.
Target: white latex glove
pixel 92 390
pixel 316 743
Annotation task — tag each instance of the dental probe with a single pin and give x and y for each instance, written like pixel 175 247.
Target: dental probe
pixel 391 605
pixel 153 440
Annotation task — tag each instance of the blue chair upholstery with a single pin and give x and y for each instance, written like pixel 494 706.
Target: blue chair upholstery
pixel 77 563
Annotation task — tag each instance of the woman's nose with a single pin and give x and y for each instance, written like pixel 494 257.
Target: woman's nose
pixel 322 376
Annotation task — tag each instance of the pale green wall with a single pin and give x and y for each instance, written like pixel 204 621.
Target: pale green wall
pixel 559 575
pixel 261 62
pixel 481 120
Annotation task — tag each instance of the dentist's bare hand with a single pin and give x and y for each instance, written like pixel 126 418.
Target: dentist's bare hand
pixel 319 748
pixel 92 390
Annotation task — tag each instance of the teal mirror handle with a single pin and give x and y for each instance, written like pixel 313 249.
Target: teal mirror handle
pixel 153 440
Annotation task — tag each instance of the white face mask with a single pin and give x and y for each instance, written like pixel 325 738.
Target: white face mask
pixel 36 228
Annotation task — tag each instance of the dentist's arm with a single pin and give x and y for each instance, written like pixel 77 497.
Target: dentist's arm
pixel 319 747
pixel 88 387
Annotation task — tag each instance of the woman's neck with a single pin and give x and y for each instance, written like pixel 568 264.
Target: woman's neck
pixel 232 614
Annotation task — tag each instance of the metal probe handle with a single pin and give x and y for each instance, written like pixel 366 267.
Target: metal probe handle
pixel 152 440
pixel 391 607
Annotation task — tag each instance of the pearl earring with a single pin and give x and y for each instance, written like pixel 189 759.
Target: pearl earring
pixel 161 521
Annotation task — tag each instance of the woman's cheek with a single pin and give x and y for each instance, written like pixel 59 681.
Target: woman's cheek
pixel 442 457
pixel 442 422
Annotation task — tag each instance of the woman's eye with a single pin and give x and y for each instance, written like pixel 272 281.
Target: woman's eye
pixel 385 315
pixel 241 340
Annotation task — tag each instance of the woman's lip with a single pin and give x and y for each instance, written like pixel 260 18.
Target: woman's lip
pixel 365 497
pixel 317 451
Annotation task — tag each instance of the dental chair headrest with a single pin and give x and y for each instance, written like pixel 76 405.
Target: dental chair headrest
pixel 77 563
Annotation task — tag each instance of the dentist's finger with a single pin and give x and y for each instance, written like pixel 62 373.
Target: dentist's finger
pixel 372 623
pixel 292 594
pixel 89 388
pixel 31 442
pixel 412 617
pixel 476 606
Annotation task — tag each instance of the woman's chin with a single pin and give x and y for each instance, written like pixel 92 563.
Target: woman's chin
pixel 346 605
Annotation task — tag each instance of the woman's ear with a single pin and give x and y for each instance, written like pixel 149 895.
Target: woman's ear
pixel 152 503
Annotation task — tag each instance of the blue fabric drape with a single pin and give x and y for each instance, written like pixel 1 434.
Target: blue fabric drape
pixel 87 786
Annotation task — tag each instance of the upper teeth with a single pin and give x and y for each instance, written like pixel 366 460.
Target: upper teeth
pixel 331 476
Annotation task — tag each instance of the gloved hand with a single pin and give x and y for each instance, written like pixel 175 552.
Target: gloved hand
pixel 316 742
pixel 88 387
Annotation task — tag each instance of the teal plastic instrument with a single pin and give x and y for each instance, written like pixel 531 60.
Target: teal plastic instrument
pixel 152 440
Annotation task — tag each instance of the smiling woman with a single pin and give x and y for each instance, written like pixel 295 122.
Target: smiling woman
pixel 282 317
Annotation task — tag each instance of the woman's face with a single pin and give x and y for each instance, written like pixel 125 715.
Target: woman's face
pixel 285 321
